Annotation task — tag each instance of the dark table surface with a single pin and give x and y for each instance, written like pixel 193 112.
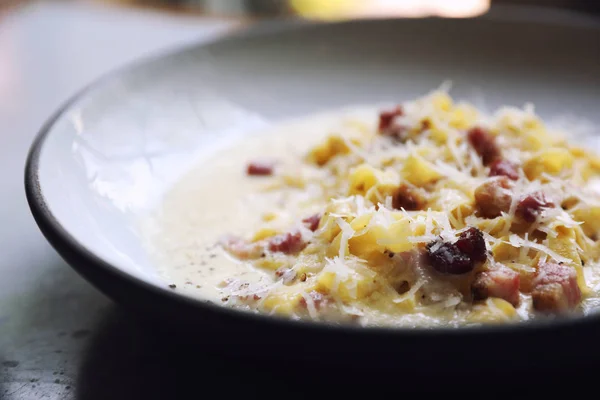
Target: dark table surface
pixel 59 337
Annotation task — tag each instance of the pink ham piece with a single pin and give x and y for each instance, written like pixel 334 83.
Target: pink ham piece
pixel 242 249
pixel 386 118
pixel 319 300
pixel 555 288
pixel 388 127
pixel 501 282
pixel 484 144
pixel 502 167
pixel 260 168
pixel 530 206
pixel 312 222
pixel 287 243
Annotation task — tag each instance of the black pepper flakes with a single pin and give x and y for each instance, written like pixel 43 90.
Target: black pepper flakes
pixel 172 286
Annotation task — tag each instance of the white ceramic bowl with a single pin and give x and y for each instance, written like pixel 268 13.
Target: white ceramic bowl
pixel 108 155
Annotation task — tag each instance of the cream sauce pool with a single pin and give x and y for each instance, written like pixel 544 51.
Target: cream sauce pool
pixel 217 198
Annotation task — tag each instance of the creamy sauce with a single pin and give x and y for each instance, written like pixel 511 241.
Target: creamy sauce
pixel 218 198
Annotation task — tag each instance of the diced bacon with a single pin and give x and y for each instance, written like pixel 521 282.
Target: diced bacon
pixel 386 118
pixel 460 257
pixel 260 168
pixel 287 243
pixel 530 206
pixel 472 243
pixel 312 222
pixel 407 198
pixel 388 127
pixel 555 288
pixel 494 196
pixel 502 167
pixel 484 144
pixel 319 299
pixel 447 258
pixel 501 282
pixel 242 249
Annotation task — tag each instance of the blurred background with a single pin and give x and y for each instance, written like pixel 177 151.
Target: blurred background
pixel 331 9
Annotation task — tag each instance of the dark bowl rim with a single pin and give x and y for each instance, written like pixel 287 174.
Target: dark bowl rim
pixel 59 238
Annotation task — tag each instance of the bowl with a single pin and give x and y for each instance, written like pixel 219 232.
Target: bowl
pixel 108 155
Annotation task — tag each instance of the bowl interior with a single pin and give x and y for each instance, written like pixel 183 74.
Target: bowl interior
pixel 111 153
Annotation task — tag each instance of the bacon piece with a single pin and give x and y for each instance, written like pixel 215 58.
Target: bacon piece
pixel 448 259
pixel 555 288
pixel 319 300
pixel 530 206
pixel 501 282
pixel 407 198
pixel 471 243
pixel 502 167
pixel 260 168
pixel 287 243
pixel 460 257
pixel 387 126
pixel 386 118
pixel 312 222
pixel 494 196
pixel 242 249
pixel 484 144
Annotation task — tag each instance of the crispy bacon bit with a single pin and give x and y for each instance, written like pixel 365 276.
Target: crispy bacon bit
pixel 407 198
pixel 448 259
pixel 494 196
pixel 260 168
pixel 471 243
pixel 530 206
pixel 555 288
pixel 318 298
pixel 501 282
pixel 484 144
pixel 240 248
pixel 386 118
pixel 312 222
pixel 287 243
pixel 388 127
pixel 460 257
pixel 502 167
